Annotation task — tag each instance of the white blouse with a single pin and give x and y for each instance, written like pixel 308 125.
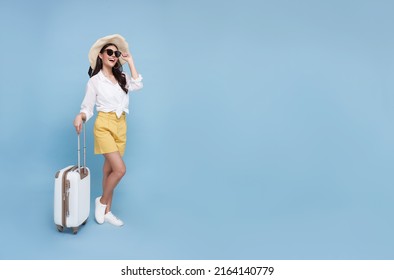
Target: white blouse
pixel 107 96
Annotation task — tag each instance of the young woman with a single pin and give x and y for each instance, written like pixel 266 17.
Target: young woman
pixel 108 89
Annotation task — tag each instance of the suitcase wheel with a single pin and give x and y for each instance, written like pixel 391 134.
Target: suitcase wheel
pixel 60 228
pixel 75 230
pixel 84 223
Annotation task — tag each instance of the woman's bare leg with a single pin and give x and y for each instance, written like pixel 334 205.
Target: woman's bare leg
pixel 113 171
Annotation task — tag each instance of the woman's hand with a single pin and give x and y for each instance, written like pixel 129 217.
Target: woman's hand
pixel 128 57
pixel 79 119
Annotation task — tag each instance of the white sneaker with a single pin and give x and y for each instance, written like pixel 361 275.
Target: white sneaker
pixel 100 211
pixel 112 219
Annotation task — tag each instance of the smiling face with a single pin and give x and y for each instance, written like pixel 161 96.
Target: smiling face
pixel 109 60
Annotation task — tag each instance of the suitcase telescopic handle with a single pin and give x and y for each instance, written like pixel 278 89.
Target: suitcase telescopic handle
pixel 84 149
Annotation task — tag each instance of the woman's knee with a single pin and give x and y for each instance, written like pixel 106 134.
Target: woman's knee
pixel 120 171
pixel 116 164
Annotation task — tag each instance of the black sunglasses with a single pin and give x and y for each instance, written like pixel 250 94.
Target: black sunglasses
pixel 111 52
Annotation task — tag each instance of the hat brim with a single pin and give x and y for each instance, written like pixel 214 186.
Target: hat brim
pixel 115 39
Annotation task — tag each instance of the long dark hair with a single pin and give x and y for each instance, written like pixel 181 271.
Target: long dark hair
pixel 117 70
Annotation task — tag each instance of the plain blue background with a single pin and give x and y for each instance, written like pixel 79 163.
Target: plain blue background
pixel 264 130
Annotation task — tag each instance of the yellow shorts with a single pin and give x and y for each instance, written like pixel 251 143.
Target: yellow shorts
pixel 110 133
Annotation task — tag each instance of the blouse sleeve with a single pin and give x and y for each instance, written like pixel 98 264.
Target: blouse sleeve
pixel 89 101
pixel 134 84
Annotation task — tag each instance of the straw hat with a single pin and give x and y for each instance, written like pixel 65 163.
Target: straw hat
pixel 115 39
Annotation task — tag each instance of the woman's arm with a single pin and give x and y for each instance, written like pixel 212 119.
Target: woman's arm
pixel 87 107
pixel 129 58
pixel 136 79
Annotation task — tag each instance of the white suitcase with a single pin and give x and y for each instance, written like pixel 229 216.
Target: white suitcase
pixel 72 193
